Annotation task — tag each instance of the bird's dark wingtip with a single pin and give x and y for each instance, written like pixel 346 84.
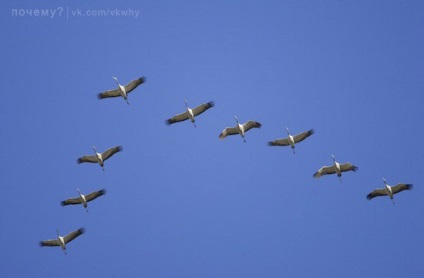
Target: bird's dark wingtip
pixel 269 144
pixel 355 168
pixel 62 203
pixel 81 230
pixel 409 186
pixel 168 122
pixel 79 161
pixel 369 197
pixel 142 79
pixel 120 148
pixel 103 191
pixel 100 96
pixel 258 124
pixel 312 131
pixel 211 103
pixel 41 243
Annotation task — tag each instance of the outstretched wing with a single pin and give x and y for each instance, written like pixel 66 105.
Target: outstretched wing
pixel 72 235
pixel 95 194
pixel 49 243
pixel 400 187
pixel 203 107
pixel 110 93
pixel 87 158
pixel 108 153
pixel 71 201
pixel 251 124
pixel 326 170
pixel 228 131
pixel 279 142
pixel 302 136
pixel 348 167
pixel 377 192
pixel 177 118
pixel 134 84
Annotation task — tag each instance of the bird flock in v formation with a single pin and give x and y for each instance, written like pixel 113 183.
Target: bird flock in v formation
pixel 190 114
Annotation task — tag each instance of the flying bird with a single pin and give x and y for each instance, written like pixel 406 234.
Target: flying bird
pixel 337 168
pixel 83 199
pixel 291 140
pixel 122 91
pixel 62 241
pixel 389 190
pixel 99 157
pixel 239 129
pixel 190 113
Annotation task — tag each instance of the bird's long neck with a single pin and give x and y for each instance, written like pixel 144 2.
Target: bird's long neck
pixel 386 185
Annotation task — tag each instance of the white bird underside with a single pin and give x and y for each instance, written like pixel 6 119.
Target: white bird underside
pixel 297 138
pixel 329 170
pixel 69 237
pixel 185 116
pixel 88 198
pixel 234 130
pixel 383 192
pixel 105 155
pixel 128 88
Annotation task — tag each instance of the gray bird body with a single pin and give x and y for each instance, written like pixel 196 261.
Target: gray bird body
pixel 389 190
pixel 122 91
pixel 62 241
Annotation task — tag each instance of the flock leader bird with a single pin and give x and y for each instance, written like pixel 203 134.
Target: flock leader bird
pixel 191 114
pixel 122 91
pixel 239 129
pixel 83 199
pixel 62 241
pixel 291 140
pixel 389 190
pixel 99 157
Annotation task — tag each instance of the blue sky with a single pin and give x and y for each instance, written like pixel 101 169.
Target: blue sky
pixel 180 202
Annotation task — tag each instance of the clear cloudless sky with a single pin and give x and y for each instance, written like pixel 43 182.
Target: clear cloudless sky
pixel 180 202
